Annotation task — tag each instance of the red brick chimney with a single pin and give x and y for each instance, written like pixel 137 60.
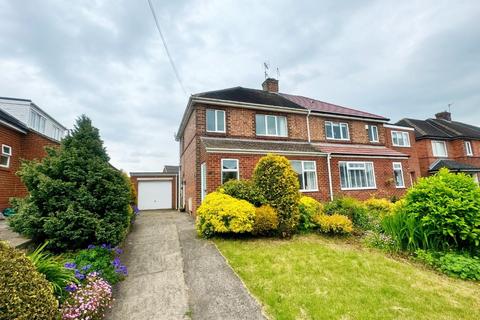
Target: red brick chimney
pixel 270 85
pixel 445 115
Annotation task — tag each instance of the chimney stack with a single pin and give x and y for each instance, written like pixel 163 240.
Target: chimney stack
pixel 270 85
pixel 445 115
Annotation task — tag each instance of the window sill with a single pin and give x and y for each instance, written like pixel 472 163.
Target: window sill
pixel 356 189
pixel 215 131
pixel 401 146
pixel 306 191
pixel 333 139
pixel 400 187
pixel 270 135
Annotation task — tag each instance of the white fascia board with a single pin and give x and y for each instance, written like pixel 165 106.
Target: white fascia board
pixel 391 126
pixel 368 157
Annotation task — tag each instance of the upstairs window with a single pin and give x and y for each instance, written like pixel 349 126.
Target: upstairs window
pixel 357 175
pixel 373 133
pixel 215 120
pixel 267 125
pixel 439 149
pixel 398 175
pixel 400 139
pixel 57 133
pixel 336 130
pixel 307 174
pixel 37 122
pixel 5 156
pixel 468 148
pixel 229 169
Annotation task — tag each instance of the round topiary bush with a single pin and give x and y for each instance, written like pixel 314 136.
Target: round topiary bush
pixel 309 208
pixel 221 213
pixel 278 184
pixel 25 294
pixel 266 220
pixel 446 210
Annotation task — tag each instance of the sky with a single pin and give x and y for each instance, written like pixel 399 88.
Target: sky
pixel 105 59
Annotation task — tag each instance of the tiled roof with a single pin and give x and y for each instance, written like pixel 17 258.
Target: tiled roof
pixel 441 129
pixel 171 169
pixel 218 144
pixel 6 117
pixel 325 107
pixel 453 166
pixel 240 94
pixel 359 150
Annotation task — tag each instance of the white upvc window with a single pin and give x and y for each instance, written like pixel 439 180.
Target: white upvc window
pixel 356 175
pixel 57 133
pixel 230 169
pixel 268 125
pixel 400 139
pixel 5 156
pixel 398 175
pixel 306 173
pixel 336 130
pixel 468 148
pixel 439 148
pixel 373 133
pixel 215 120
pixel 37 121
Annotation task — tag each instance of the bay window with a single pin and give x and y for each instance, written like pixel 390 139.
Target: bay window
pixel 357 175
pixel 306 173
pixel 336 130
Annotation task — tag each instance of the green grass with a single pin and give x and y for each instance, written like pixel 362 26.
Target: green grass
pixel 314 277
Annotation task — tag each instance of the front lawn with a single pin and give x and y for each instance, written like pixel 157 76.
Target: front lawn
pixel 315 277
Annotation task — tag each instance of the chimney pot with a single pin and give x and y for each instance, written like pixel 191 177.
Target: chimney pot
pixel 270 85
pixel 445 115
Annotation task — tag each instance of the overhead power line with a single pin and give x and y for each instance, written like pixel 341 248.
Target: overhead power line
pixel 177 75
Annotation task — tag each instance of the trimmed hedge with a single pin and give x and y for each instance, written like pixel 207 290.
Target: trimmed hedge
pixel 266 220
pixel 25 294
pixel 243 190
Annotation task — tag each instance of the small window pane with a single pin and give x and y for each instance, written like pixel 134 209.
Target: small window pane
pixel 309 165
pixel 229 164
pixel 220 120
pixel 310 181
pixel 260 124
pixel 344 127
pixel 336 131
pixel 229 175
pixel 211 120
pixel 282 126
pixel 271 125
pixel 4 161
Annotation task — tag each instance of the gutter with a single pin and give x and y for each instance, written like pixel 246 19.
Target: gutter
pixel 308 125
pixel 12 126
pixel 329 168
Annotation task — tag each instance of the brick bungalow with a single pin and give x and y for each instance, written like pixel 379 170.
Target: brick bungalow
pixel 335 150
pixel 443 143
pixel 24 134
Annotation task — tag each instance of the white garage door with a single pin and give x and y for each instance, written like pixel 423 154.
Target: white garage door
pixel 155 194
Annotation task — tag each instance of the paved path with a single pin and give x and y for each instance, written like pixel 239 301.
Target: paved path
pixel 14 238
pixel 175 275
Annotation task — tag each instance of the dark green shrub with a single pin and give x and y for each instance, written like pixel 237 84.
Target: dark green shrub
pixel 354 209
pixel 440 212
pixel 308 208
pixel 25 294
pixel 75 196
pixel 244 190
pixel 278 183
pixel 52 267
pixel 459 265
pixel 266 220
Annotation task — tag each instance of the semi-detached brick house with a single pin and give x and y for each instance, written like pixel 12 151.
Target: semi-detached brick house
pixel 441 142
pixel 335 150
pixel 25 131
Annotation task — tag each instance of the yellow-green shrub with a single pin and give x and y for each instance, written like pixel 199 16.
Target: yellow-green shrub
pixel 25 294
pixel 378 207
pixel 336 224
pixel 266 220
pixel 278 183
pixel 221 213
pixel 309 208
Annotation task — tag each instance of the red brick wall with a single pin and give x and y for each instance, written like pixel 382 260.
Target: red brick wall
pixel 174 186
pixel 24 146
pixel 189 162
pixel 413 169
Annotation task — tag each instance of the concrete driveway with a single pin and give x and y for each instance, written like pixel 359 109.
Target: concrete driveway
pixel 175 275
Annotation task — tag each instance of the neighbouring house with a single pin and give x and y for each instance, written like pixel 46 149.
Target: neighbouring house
pixel 334 150
pixel 443 143
pixel 25 131
pixel 157 190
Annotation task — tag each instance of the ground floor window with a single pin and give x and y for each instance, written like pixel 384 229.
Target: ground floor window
pixel 229 169
pixel 398 175
pixel 356 175
pixel 307 174
pixel 5 156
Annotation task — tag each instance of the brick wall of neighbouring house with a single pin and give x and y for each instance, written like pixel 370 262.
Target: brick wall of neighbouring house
pixel 173 178
pixel 27 146
pixel 413 168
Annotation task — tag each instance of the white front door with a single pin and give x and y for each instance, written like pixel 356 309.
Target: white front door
pixel 203 180
pixel 155 194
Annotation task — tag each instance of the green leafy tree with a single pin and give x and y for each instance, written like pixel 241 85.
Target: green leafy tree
pixel 75 196
pixel 278 184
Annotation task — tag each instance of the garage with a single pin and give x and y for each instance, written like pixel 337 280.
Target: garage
pixel 155 190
